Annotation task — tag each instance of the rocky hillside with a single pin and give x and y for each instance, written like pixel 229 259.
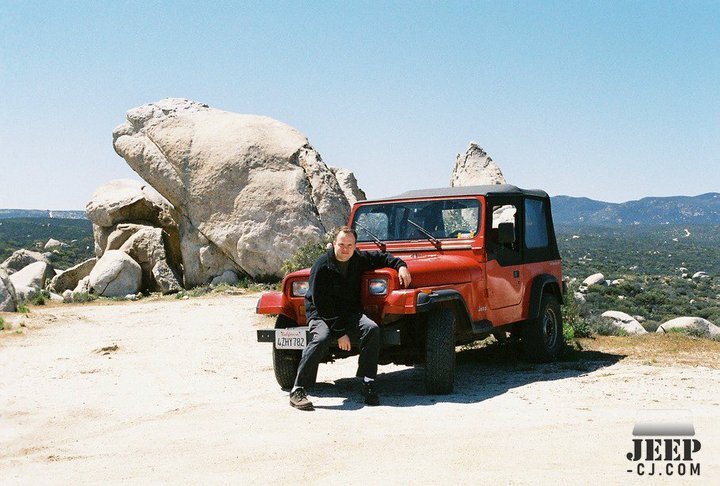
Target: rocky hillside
pixel 32 233
pixel 702 209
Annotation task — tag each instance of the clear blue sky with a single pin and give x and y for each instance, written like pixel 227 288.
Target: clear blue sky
pixel 609 100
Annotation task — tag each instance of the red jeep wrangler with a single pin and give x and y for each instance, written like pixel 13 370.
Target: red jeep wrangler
pixel 483 260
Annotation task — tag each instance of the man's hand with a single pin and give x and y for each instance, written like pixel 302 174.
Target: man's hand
pixel 344 342
pixel 405 278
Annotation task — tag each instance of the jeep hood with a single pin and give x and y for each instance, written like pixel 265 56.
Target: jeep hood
pixel 433 270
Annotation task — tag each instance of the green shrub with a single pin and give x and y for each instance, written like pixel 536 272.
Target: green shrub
pixel 22 307
pixel 261 279
pixel 40 298
pixel 604 327
pixel 688 331
pixel 82 297
pixel 2 324
pixel 574 324
pixel 651 326
pixel 306 255
pixel 198 291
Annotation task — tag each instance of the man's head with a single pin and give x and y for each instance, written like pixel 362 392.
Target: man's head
pixel 344 244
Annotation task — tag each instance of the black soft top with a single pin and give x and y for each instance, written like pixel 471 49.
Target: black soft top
pixel 485 190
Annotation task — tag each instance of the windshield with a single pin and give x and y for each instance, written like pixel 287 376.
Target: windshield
pixel 451 218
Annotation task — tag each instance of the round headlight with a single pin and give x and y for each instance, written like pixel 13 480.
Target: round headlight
pixel 300 288
pixel 378 286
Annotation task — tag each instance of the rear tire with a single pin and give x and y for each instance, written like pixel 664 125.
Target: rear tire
pixel 542 337
pixel 440 352
pixel 285 361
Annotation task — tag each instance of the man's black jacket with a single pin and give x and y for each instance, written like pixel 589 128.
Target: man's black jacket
pixel 334 298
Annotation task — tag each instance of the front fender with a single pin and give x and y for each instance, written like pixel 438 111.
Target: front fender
pixel 276 303
pixel 401 302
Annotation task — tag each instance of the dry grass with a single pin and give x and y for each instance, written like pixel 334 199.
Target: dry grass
pixel 658 349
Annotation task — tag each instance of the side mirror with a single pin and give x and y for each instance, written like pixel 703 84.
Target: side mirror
pixel 506 233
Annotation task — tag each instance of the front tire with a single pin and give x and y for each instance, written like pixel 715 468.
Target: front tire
pixel 440 352
pixel 542 337
pixel 285 361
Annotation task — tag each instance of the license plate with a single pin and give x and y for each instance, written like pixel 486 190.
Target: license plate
pixel 290 338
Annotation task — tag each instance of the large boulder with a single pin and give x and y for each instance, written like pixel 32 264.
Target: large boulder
pixel 624 321
pixel 594 279
pixel 70 277
pixel 21 259
pixel 8 299
pixel 475 168
pixel 166 279
pixel 128 202
pixel 116 275
pixel 53 243
pixel 250 190
pixel 348 183
pixel 229 278
pixel 83 286
pixel 122 233
pixel 147 247
pixel 25 292
pixel 34 275
pixel 693 323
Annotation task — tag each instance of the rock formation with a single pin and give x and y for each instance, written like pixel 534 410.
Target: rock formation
pixel 348 184
pixel 69 279
pixel 53 243
pixel 695 323
pixel 83 286
pixel 624 321
pixel 21 259
pixel 128 201
pixel 594 279
pixel 8 299
pixel 474 168
pixel 147 247
pixel 229 278
pixel 700 275
pixel 249 190
pixel 33 276
pixel 116 275
pixel 131 216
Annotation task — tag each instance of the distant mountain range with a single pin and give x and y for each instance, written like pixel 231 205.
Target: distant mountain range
pixel 41 213
pixel 702 209
pixel 567 210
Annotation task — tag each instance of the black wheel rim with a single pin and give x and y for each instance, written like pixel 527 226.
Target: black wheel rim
pixel 550 328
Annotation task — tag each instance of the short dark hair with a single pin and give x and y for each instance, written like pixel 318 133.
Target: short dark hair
pixel 345 229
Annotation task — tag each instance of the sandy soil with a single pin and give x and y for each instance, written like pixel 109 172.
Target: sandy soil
pixel 179 391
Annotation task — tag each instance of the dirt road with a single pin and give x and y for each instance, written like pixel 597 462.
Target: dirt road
pixel 179 391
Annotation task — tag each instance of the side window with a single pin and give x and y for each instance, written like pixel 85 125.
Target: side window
pixel 536 232
pixel 504 219
pixel 503 214
pixel 503 230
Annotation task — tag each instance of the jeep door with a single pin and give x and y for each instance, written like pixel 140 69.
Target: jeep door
pixel 504 254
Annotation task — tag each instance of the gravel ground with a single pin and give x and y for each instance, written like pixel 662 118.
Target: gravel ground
pixel 178 391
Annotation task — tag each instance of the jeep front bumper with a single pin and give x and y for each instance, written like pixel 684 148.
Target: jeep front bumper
pixel 389 336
